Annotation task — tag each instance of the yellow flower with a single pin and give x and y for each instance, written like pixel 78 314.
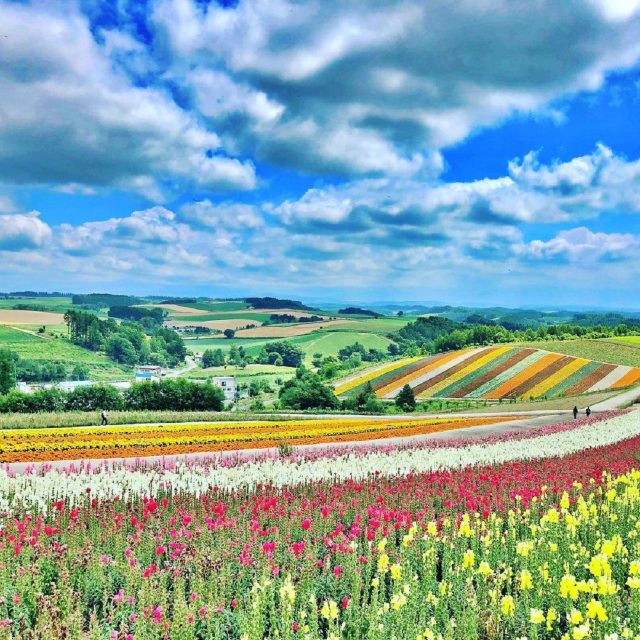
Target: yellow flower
pixel 469 559
pixel 564 502
pixel 484 569
pixel 599 566
pixel 575 617
pixel 634 568
pixel 606 586
pixel 329 610
pixel 633 582
pixel 432 528
pixel 287 591
pixel 382 544
pixel 536 616
pixel 507 606
pixel 523 548
pixel 552 616
pixel 581 632
pixel 398 600
pixel 526 582
pixel 569 587
pixel 596 610
pixel 396 571
pixel 383 563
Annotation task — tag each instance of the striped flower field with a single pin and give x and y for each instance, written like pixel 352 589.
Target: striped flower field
pixel 494 373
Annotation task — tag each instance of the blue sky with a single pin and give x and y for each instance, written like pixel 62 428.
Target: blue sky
pixel 471 153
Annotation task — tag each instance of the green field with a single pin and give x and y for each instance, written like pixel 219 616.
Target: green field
pixel 33 347
pixel 325 342
pixel 375 325
pixel 613 351
pixel 232 305
pixel 634 340
pixel 54 305
pixel 240 315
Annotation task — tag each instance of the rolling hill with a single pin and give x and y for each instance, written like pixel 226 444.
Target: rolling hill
pixel 493 373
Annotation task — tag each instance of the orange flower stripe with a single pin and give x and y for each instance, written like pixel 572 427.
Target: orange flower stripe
pixel 430 366
pixel 504 389
pixel 629 378
pixel 373 374
pixel 31 445
pixel 466 370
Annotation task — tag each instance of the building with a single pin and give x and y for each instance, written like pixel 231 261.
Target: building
pixel 228 385
pixel 148 372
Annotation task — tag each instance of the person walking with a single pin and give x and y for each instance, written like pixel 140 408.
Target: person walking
pixel 588 411
pixel 104 417
pixel 575 412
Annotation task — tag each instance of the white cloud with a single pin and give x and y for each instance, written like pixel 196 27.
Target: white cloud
pixel 71 116
pixel 223 215
pixel 23 231
pixel 356 88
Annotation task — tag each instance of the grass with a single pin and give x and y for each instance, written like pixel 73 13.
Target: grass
pixel 612 351
pixel 373 325
pixel 627 339
pixel 92 418
pixel 55 305
pixel 205 317
pixel 33 347
pixel 330 342
pixel 252 371
pixel 232 305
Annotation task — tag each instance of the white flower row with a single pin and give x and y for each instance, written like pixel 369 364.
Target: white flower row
pixel 39 490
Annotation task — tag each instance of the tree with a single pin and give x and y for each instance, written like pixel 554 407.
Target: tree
pixel 229 333
pixel 8 360
pixel 212 358
pixel 406 399
pixel 307 391
pixel 121 350
pixel 80 372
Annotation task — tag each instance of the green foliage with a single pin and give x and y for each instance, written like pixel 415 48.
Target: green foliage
pixel 213 358
pixel 307 391
pixel 365 401
pixel 80 372
pixel 7 370
pixel 281 353
pixel 137 313
pixel 406 399
pixel 174 395
pixel 40 370
pixel 229 333
pixel 101 300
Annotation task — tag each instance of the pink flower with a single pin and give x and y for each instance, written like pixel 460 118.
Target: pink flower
pixel 306 524
pixel 337 571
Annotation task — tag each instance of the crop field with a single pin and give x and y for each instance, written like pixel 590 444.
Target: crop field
pixel 525 534
pixel 53 305
pixel 633 340
pixel 11 316
pixel 614 350
pixel 36 445
pixel 290 330
pixel 494 373
pixel 30 346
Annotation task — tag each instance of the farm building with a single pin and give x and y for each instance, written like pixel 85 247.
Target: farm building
pixel 148 372
pixel 228 385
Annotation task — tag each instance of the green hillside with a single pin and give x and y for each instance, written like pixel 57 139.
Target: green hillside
pixel 613 350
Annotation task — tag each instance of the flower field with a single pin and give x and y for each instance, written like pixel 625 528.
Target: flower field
pixel 520 535
pixel 50 444
pixel 495 373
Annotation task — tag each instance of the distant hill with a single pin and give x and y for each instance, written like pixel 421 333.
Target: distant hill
pixel 357 311
pixel 276 303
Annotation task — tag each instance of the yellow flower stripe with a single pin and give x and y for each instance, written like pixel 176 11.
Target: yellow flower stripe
pixel 470 368
pixel 351 384
pixel 54 444
pixel 569 369
pixel 429 366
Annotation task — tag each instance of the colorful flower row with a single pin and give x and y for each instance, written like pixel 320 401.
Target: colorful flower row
pixel 30 445
pixel 535 548
pixel 495 373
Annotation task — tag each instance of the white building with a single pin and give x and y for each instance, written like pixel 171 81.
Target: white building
pixel 228 385
pixel 148 372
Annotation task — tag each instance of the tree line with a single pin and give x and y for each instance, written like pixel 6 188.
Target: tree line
pixel 166 395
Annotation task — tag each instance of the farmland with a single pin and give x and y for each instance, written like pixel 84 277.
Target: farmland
pixel 623 351
pixel 30 346
pixel 340 543
pixel 493 373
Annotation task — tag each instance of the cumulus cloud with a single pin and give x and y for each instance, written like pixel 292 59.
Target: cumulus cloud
pixel 354 88
pixel 232 215
pixel 72 116
pixel 23 231
pixel 583 245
